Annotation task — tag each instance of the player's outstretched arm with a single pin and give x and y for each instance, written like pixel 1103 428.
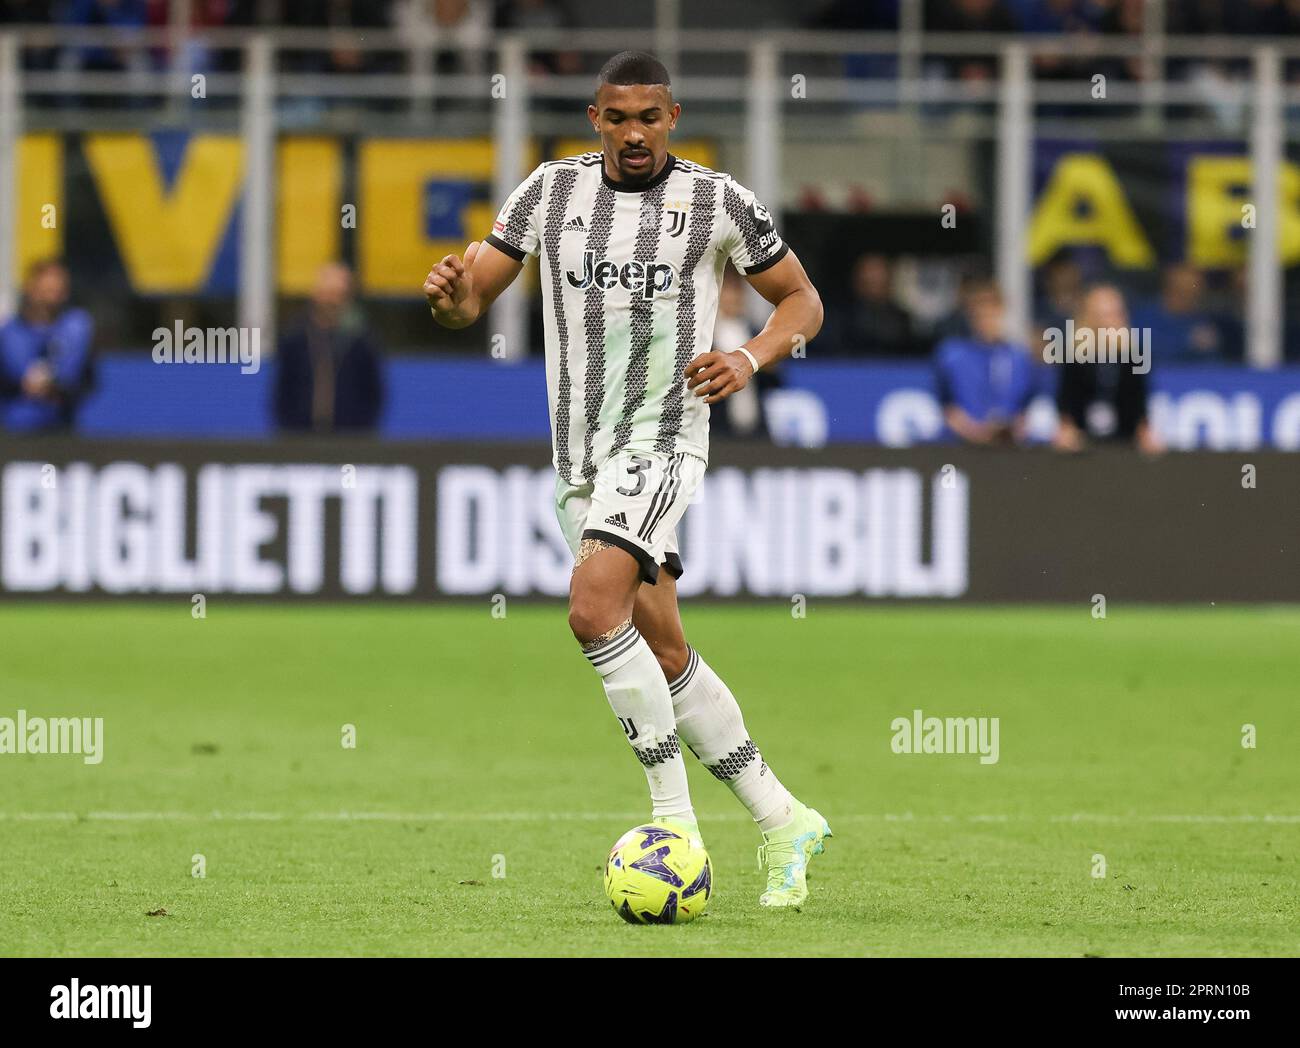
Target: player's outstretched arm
pixel 459 292
pixel 798 316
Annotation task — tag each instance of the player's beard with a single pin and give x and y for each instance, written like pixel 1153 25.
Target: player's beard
pixel 636 175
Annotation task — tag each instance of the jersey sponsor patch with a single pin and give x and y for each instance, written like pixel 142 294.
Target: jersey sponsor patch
pixel 646 279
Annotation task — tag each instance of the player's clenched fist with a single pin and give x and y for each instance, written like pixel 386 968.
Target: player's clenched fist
pixel 715 376
pixel 449 284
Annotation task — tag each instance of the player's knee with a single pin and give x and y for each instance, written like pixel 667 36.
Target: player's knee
pixel 589 618
pixel 580 622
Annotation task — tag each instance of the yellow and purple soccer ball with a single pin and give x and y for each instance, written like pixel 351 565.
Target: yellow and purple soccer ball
pixel 655 875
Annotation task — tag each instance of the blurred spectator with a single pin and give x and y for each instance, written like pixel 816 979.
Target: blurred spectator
pixel 342 14
pixel 216 14
pixel 978 16
pixel 1126 17
pixel 328 375
pixel 45 360
pixel 116 14
pixel 873 324
pixel 1060 284
pixel 956 323
pixel 1231 317
pixel 1238 17
pixel 34 59
pixel 741 414
pixel 859 16
pixel 196 55
pixel 345 56
pixel 464 29
pixel 542 14
pixel 1086 54
pixel 1053 16
pixel 985 382
pixel 1182 329
pixel 1104 401
pixel 929 288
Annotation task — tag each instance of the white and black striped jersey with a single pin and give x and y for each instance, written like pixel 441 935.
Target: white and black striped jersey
pixel 630 278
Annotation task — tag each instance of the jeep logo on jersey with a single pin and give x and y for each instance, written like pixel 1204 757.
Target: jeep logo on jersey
pixel 648 278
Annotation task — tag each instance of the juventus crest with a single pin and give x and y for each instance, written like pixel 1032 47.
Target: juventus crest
pixel 677 217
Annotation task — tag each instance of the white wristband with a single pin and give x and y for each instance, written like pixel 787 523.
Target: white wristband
pixel 750 356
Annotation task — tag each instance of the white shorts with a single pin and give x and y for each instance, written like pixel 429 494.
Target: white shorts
pixel 634 503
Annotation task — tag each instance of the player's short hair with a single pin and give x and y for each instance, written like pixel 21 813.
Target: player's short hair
pixel 633 67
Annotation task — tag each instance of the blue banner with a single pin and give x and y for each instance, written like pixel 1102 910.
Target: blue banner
pixel 460 398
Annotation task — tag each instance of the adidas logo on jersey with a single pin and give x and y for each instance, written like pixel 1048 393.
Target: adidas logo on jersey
pixel 619 520
pixel 574 223
pixel 646 278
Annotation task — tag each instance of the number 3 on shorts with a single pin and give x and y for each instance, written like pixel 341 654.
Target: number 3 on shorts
pixel 638 469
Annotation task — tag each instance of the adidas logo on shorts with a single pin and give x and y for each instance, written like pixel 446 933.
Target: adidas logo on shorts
pixel 619 520
pixel 574 223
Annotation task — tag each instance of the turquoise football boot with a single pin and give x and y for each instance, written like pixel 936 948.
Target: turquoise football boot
pixel 785 853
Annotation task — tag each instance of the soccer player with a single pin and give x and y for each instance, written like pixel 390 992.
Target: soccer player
pixel 633 242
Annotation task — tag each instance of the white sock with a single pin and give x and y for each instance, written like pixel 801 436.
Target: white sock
pixel 710 723
pixel 638 693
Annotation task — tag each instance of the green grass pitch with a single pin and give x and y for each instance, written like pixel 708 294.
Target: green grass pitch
pixel 485 746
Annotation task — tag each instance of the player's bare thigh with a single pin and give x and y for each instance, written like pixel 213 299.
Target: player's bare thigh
pixel 657 618
pixel 602 590
pixel 605 591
